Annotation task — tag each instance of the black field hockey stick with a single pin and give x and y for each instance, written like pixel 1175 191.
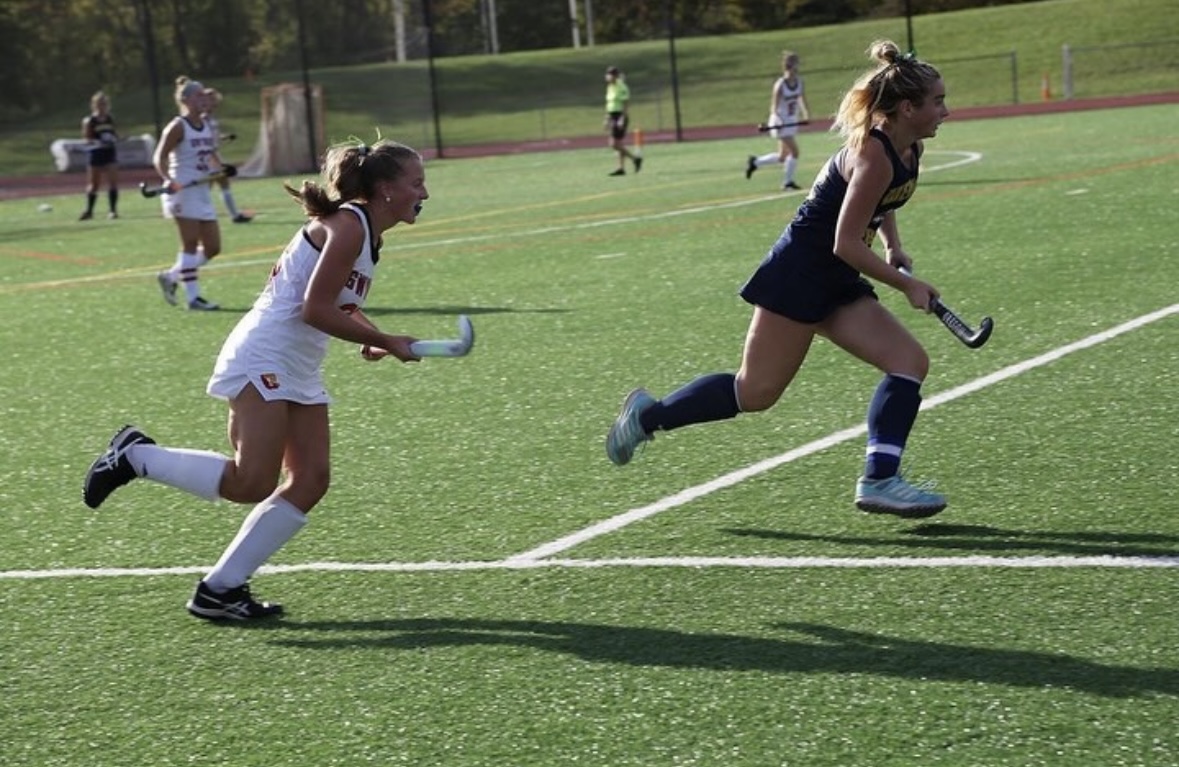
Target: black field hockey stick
pixel 765 128
pixel 956 325
pixel 227 171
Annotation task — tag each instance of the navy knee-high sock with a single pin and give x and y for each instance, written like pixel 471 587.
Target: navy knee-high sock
pixel 112 197
pixel 708 398
pixel 890 418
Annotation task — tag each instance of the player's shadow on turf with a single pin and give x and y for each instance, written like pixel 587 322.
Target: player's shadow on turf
pixel 378 311
pixel 980 538
pixel 822 649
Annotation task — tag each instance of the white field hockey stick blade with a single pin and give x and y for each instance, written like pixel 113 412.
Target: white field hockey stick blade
pixel 452 347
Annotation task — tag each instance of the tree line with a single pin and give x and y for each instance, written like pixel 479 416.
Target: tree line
pixel 58 52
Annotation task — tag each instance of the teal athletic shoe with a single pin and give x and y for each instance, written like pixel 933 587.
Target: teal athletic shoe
pixel 893 495
pixel 627 433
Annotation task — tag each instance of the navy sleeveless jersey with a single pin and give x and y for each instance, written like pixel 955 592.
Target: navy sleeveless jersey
pixel 801 277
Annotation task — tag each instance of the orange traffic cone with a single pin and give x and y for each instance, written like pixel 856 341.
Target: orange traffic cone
pixel 639 140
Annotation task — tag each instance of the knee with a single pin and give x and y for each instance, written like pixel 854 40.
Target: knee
pixel 915 365
pixel 755 396
pixel 306 488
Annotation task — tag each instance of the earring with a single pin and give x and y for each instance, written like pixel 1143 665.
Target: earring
pixel 388 199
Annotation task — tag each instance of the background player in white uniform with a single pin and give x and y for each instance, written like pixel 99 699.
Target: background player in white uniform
pixel 213 100
pixel 270 372
pixel 187 152
pixel 788 108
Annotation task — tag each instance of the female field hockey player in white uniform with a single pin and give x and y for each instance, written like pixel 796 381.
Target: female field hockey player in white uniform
pixel 213 99
pixel 187 152
pixel 811 283
pixel 788 108
pixel 270 370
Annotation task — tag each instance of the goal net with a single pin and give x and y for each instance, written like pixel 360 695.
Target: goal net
pixel 288 132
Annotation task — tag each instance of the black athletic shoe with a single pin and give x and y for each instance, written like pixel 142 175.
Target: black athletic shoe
pixel 638 164
pixel 790 185
pixel 242 218
pixel 234 605
pixel 200 304
pixel 86 215
pixel 750 167
pixel 112 470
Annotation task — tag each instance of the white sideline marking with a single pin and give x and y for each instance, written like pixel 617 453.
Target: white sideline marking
pixel 777 563
pixel 228 262
pixel 536 557
pixel 732 478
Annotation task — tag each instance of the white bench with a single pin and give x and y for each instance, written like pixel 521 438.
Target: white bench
pixel 69 154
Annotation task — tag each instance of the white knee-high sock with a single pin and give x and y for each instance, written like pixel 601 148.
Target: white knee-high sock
pixel 230 205
pixel 767 159
pixel 194 471
pixel 791 165
pixel 265 530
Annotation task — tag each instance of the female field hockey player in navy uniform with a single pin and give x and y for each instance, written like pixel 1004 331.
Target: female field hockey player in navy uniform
pixel 98 128
pixel 812 283
pixel 270 372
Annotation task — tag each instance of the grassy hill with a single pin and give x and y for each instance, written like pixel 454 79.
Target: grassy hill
pixel 987 55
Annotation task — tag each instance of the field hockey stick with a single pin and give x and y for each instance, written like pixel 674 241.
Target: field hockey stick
pixel 955 324
pixel 451 347
pixel 227 171
pixel 764 128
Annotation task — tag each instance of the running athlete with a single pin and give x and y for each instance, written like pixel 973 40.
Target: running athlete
pixel 213 100
pixel 618 120
pixel 270 371
pixel 788 108
pixel 187 152
pixel 98 128
pixel 812 283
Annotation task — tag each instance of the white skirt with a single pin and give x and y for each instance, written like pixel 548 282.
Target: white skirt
pixel 227 383
pixel 193 202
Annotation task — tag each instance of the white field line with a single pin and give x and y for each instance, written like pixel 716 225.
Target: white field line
pixel 740 475
pixel 539 557
pixel 534 559
pixel 769 563
pixel 228 262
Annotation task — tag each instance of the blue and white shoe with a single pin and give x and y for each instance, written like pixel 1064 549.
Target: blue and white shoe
pixel 893 495
pixel 627 433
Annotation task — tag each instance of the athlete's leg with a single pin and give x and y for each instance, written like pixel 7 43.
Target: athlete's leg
pixel 300 434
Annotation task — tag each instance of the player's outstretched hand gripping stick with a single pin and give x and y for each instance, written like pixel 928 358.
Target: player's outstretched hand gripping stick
pixel 450 347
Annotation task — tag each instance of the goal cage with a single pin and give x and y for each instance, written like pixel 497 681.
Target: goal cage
pixel 288 132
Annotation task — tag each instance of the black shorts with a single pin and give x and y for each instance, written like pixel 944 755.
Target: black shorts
pixel 803 295
pixel 102 156
pixel 618 124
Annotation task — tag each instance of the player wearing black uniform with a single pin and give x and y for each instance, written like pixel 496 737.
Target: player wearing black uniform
pixel 812 283
pixel 98 128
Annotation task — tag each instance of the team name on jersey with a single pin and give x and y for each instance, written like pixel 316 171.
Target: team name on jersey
pixel 358 284
pixel 900 195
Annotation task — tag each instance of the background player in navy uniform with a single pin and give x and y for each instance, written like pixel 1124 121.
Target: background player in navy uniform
pixel 811 283
pixel 98 128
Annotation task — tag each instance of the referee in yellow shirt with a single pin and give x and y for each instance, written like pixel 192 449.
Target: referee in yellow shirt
pixel 617 120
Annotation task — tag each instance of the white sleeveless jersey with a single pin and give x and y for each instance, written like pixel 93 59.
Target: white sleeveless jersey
pixel 787 108
pixel 192 157
pixel 271 346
